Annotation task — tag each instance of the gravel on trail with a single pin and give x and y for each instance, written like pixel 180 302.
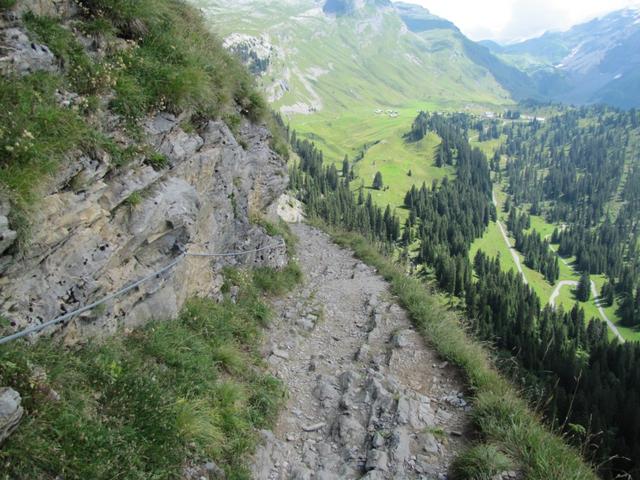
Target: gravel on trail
pixel 366 397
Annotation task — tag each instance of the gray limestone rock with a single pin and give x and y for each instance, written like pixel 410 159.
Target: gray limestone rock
pixel 324 391
pixel 18 54
pixel 377 460
pixel 7 236
pixel 350 431
pixel 10 412
pixel 88 239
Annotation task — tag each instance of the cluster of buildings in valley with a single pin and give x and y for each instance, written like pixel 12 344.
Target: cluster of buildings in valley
pixel 489 115
pixel 390 113
pixel 493 115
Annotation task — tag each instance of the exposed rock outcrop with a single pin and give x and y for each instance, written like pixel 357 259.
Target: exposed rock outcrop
pixel 19 54
pixel 255 52
pixel 10 412
pixel 102 228
pixel 101 225
pixel 7 236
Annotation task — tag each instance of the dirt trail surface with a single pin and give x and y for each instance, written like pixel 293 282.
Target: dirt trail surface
pixel 596 295
pixel 367 399
pixel 556 291
pixel 512 250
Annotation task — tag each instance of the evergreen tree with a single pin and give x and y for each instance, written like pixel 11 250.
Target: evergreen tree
pixel 440 156
pixel 377 181
pixel 345 168
pixel 607 294
pixel 583 291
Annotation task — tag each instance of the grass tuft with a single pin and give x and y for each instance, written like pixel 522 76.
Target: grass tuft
pixel 173 61
pixel 481 462
pixel 277 282
pixel 276 229
pixel 157 160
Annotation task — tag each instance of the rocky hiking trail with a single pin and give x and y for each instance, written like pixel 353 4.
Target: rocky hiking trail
pixel 366 397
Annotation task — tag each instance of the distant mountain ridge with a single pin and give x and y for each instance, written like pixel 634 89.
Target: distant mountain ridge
pixel 318 54
pixel 419 19
pixel 594 62
pixel 346 7
pixel 334 54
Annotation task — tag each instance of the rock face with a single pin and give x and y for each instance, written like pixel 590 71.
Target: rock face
pixel 255 52
pixel 7 236
pixel 102 228
pixel 19 54
pixel 10 412
pixel 367 398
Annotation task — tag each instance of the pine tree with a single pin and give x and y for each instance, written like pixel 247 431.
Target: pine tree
pixel 377 181
pixel 345 167
pixel 584 287
pixel 607 294
pixel 440 156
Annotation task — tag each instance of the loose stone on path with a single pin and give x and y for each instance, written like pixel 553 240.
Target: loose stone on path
pixel 367 398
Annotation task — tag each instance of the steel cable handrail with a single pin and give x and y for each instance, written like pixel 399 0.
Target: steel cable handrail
pixel 122 291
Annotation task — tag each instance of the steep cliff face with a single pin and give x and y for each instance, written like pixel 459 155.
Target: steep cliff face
pixel 100 226
pixel 89 238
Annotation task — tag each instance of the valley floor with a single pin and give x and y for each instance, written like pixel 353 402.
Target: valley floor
pixel 367 398
pixel 497 242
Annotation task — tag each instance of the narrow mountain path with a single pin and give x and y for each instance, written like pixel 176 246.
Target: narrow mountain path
pixel 367 398
pixel 603 314
pixel 556 291
pixel 512 250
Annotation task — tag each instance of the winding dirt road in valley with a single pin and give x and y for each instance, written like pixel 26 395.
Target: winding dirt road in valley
pixel 512 250
pixel 556 291
pixel 563 283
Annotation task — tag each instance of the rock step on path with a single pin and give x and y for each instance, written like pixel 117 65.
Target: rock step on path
pixel 366 397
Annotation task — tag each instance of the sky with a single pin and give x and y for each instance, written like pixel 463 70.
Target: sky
pixel 512 20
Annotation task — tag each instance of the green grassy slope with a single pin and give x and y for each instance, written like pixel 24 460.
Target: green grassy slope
pixel 341 135
pixel 144 404
pixel 368 59
pixel 339 71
